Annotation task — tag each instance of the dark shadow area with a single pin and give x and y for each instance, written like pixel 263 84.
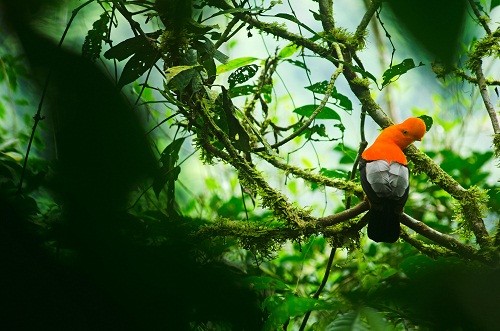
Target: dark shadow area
pixel 105 272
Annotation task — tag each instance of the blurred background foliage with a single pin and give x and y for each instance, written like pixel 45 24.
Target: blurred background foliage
pixel 116 219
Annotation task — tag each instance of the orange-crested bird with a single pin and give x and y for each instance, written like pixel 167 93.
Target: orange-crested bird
pixel 385 178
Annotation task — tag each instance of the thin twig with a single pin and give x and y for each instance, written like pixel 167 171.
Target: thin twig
pixel 321 286
pixel 318 109
pixel 38 116
pixel 479 17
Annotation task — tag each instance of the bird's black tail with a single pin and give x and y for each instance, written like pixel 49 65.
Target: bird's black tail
pixel 383 224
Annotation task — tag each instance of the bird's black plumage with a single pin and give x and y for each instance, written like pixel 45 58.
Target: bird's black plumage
pixel 385 207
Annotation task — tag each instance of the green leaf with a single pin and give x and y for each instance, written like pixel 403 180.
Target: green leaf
pixel 241 90
pixel 282 308
pixel 288 51
pixel 320 130
pixel 131 46
pixel 91 48
pixel 229 123
pixel 347 322
pixel 348 154
pixel 138 64
pixel 295 20
pixel 168 172
pixel 325 114
pixel 398 70
pixel 172 72
pixel 265 283
pixel 333 173
pixel 364 73
pixel 242 74
pixel 235 63
pixel 321 88
pixel 299 64
pixel 428 121
pixel 375 319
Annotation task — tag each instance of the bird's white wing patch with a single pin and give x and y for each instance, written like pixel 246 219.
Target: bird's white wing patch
pixel 388 180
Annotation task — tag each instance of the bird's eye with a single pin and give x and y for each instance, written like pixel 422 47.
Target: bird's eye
pixel 405 132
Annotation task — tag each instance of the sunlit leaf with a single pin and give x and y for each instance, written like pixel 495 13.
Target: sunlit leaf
pixel 235 63
pixel 288 50
pixel 282 308
pixel 172 72
pixel 333 173
pixel 325 114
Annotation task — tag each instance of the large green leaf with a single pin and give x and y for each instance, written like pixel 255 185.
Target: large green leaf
pixel 325 114
pixel 235 63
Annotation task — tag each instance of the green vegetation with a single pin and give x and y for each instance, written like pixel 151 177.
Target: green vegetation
pixel 163 174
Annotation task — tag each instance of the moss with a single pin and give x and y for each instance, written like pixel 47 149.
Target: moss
pixel 487 46
pixel 496 145
pixel 470 210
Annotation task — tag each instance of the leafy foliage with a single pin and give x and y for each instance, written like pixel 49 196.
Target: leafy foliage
pixel 256 235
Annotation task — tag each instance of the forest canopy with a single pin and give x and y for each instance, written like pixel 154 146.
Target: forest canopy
pixel 194 165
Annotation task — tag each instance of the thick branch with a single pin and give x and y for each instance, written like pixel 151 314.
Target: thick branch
pixel 424 248
pixel 442 239
pixel 344 215
pixel 326 14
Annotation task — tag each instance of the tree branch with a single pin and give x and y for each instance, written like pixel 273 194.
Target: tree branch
pixel 481 82
pixel 442 239
pixel 481 19
pixel 326 14
pixel 312 177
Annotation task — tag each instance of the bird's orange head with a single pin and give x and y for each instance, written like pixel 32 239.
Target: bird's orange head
pixel 392 140
pixel 405 133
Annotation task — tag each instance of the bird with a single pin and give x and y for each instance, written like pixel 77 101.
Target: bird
pixel 385 178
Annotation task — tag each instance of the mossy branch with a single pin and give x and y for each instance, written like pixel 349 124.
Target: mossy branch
pixel 360 34
pixel 308 175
